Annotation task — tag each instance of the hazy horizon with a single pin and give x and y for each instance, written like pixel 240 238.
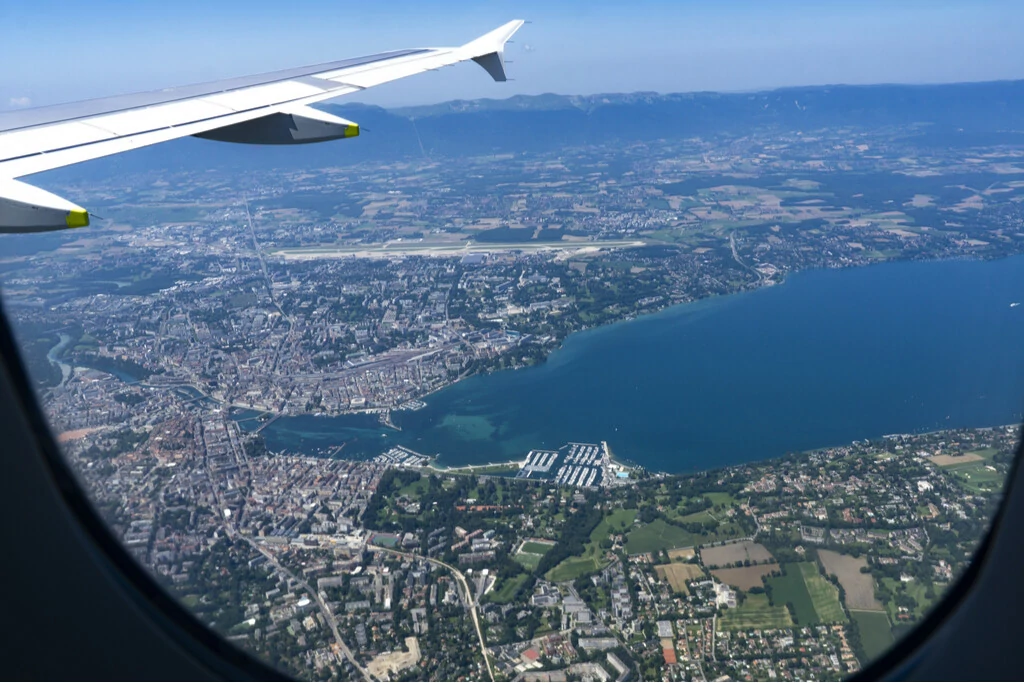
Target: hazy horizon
pixel 594 48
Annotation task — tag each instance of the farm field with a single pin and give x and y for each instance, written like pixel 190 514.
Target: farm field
pixel 755 612
pixel 745 578
pixel 677 574
pixel 875 632
pixel 721 555
pixel 824 595
pixel 683 554
pixel 791 588
pixel 859 588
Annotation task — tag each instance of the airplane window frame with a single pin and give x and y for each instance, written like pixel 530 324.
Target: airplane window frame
pixel 172 619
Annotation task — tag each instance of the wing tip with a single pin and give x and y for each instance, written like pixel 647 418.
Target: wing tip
pixel 489 49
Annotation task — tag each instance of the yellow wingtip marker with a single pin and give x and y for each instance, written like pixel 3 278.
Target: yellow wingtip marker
pixel 77 218
pixel 352 131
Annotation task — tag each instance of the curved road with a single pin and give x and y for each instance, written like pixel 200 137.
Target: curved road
pixel 465 585
pixel 320 601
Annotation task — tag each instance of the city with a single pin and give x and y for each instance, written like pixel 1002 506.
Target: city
pixel 212 303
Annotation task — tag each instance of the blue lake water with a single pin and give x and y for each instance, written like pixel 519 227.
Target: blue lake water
pixel 828 357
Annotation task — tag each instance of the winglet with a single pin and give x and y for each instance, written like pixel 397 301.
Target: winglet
pixel 489 50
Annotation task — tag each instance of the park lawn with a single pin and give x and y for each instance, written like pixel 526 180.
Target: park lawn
pixel 875 632
pixel 914 589
pixel 720 498
pixel 619 521
pixel 415 489
pixel 755 612
pixel 976 477
pixel 504 593
pixel 572 568
pixel 702 517
pixel 791 588
pixel 592 559
pixel 824 596
pixel 658 535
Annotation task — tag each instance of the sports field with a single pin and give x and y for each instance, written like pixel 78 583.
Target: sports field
pixel 530 552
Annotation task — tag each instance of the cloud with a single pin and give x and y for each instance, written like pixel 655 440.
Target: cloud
pixel 528 48
pixel 20 101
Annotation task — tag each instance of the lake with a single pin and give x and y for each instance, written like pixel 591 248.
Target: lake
pixel 828 357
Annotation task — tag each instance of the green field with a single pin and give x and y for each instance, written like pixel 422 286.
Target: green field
pixel 824 596
pixel 592 558
pixel 791 588
pixel 977 477
pixel 875 632
pixel 573 568
pixel 658 535
pixel 415 489
pixel 615 523
pixel 755 612
pixel 528 560
pixel 530 553
pixel 914 589
pixel 506 590
pixel 535 548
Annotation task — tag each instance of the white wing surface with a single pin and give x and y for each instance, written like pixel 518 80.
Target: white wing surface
pixel 264 109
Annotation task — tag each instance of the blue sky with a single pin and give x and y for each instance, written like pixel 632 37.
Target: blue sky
pixel 59 50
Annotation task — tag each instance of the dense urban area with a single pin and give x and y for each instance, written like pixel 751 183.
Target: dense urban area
pixel 364 287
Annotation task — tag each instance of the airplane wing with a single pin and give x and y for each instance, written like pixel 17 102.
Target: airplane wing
pixel 270 108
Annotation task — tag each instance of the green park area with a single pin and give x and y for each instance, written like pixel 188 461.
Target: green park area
pixel 592 558
pixel 505 591
pixel 658 535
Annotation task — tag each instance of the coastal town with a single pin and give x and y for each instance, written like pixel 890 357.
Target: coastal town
pixel 212 303
pixel 801 568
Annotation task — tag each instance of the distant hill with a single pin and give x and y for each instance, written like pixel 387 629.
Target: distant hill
pixel 962 113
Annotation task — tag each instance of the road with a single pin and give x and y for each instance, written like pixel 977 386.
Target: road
pixel 319 599
pixel 736 257
pixel 270 291
pixel 469 597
